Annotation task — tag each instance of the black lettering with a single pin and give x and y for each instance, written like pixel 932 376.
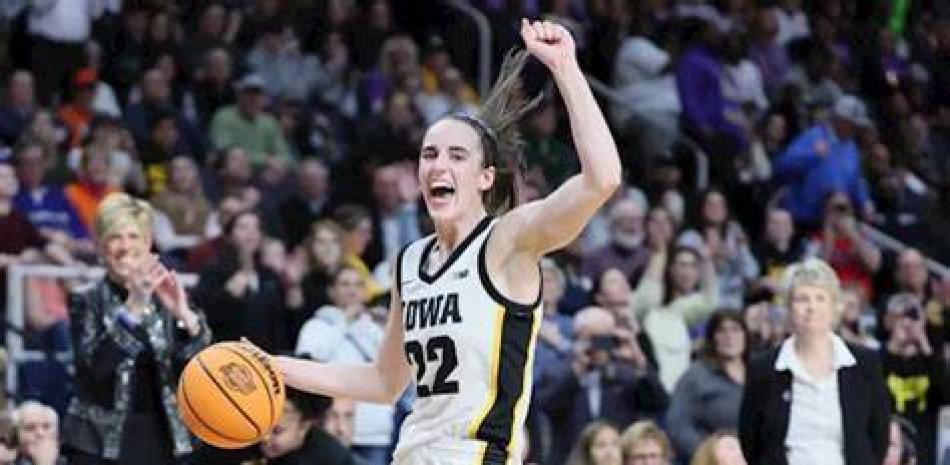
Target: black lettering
pixel 429 313
pixel 410 315
pixel 451 309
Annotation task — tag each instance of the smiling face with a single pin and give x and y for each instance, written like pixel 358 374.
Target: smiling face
pixel 451 171
pixel 123 248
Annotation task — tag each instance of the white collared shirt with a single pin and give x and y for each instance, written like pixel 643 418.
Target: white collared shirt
pixel 815 431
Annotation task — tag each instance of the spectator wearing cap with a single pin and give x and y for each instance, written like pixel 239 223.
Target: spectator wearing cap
pixel 248 126
pixel 823 160
pixel 18 106
pixel 815 399
pixel 78 113
pixel 916 375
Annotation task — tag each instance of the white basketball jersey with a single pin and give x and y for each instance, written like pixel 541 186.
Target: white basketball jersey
pixel 472 351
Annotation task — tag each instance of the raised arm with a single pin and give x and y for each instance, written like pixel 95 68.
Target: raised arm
pixel 551 223
pixel 381 381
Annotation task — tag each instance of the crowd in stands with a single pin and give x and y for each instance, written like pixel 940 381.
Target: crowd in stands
pixel 277 141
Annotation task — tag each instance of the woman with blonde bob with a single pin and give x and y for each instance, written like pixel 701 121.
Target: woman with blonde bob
pixel 644 443
pixel 132 332
pixel 719 448
pixel 814 399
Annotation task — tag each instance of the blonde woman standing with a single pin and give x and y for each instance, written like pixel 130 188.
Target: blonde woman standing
pixel 815 399
pixel 132 332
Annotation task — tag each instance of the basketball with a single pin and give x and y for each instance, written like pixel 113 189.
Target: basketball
pixel 230 395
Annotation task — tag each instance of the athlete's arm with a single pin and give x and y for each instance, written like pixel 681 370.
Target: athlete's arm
pixel 382 381
pixel 548 224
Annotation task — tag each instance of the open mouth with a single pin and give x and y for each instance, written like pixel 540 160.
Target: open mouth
pixel 441 191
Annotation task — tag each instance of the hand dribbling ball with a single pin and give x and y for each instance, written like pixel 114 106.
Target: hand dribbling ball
pixel 230 395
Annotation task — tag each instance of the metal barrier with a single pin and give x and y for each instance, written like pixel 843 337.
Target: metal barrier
pixel 887 242
pixel 701 158
pixel 484 42
pixel 16 317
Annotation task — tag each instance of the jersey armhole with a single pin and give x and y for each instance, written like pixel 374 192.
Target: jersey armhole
pixel 398 283
pixel 493 291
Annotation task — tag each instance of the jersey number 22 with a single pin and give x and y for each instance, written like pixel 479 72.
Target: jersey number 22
pixel 440 350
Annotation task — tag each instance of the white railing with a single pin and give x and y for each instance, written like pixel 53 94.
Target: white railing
pixel 16 312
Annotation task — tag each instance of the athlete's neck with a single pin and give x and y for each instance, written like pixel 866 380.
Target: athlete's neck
pixel 450 234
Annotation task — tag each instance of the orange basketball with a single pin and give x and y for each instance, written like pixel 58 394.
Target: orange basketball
pixel 230 395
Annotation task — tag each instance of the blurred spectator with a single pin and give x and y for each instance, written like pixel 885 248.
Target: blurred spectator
pixel 708 396
pixel 626 250
pixel 707 115
pixel 213 89
pixel 598 444
pixel 915 373
pixel 357 225
pixel 344 331
pixel 234 176
pixel 91 185
pixel 397 217
pixel 545 154
pixel 154 103
pixel 58 31
pixel 719 449
pixel 183 211
pixel 723 239
pixel 842 244
pixel 742 80
pixel 104 100
pixel 644 443
pixel 311 273
pixel 377 26
pixel 287 72
pixel 132 331
pixel 778 248
pixel 815 399
pixel 298 437
pixel 37 433
pixel 767 324
pixel 608 377
pixel 678 290
pixel 46 204
pixel 242 297
pixel 824 160
pixel 8 439
pixel 18 107
pixel 767 52
pixel 162 145
pixel 78 112
pixel 340 421
pixel 857 319
pixel 792 21
pixel 309 203
pixel 555 337
pixel 815 78
pixel 246 125
pixel 20 241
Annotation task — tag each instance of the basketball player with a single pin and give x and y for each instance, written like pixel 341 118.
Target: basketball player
pixel 466 301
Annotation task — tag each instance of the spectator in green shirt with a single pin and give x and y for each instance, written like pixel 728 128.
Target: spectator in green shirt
pixel 246 125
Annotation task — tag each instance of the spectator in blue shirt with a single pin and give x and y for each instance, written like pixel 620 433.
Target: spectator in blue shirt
pixel 824 160
pixel 45 204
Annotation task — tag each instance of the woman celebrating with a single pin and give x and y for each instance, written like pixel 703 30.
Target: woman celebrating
pixel 466 301
pixel 132 332
pixel 815 399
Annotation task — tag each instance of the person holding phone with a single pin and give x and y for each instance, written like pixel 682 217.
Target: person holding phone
pixel 608 378
pixel 915 374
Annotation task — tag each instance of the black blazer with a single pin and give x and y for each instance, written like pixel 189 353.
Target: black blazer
pixel 766 405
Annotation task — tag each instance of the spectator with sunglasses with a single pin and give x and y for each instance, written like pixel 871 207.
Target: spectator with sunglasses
pixel 915 375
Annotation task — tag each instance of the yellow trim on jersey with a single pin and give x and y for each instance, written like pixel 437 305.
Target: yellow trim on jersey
pixel 493 378
pixel 520 405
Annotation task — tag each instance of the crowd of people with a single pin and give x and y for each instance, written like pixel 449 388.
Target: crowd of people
pixel 276 142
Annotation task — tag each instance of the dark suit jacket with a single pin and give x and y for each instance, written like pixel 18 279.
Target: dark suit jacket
pixel 766 406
